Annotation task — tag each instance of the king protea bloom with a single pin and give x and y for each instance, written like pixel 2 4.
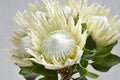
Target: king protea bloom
pixel 51 37
pixel 18 55
pixel 103 29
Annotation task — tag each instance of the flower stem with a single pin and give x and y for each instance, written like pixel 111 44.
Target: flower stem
pixel 66 78
pixel 65 73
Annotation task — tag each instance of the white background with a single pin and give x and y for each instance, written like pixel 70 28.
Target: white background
pixel 8 8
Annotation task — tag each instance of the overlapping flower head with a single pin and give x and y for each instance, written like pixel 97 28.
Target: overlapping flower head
pixel 54 35
pixel 51 38
pixel 103 29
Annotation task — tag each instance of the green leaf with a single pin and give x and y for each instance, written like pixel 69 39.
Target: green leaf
pixel 104 63
pixel 44 78
pixel 50 74
pixel 82 71
pixel 84 27
pixel 30 77
pixel 76 19
pixel 39 69
pixel 99 58
pixel 53 78
pixel 83 78
pixel 90 43
pixel 84 63
pixel 48 78
pixel 80 78
pixel 105 49
pixel 92 75
pixel 26 72
pixel 87 51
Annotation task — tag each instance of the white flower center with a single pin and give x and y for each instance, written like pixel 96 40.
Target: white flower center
pixel 26 42
pixel 59 44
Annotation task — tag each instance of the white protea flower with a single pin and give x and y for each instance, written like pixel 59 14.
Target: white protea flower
pixel 56 39
pixel 95 16
pixel 103 29
pixel 18 55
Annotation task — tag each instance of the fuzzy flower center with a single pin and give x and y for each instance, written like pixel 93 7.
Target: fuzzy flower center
pixel 59 45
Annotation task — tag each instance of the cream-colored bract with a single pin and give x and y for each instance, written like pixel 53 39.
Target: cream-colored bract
pixel 57 42
pixel 52 34
pixel 18 55
pixel 104 30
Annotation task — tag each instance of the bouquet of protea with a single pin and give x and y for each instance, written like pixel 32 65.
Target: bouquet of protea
pixel 62 39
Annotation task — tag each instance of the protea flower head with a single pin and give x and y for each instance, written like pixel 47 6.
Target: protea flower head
pixel 21 42
pixel 52 37
pixel 103 29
